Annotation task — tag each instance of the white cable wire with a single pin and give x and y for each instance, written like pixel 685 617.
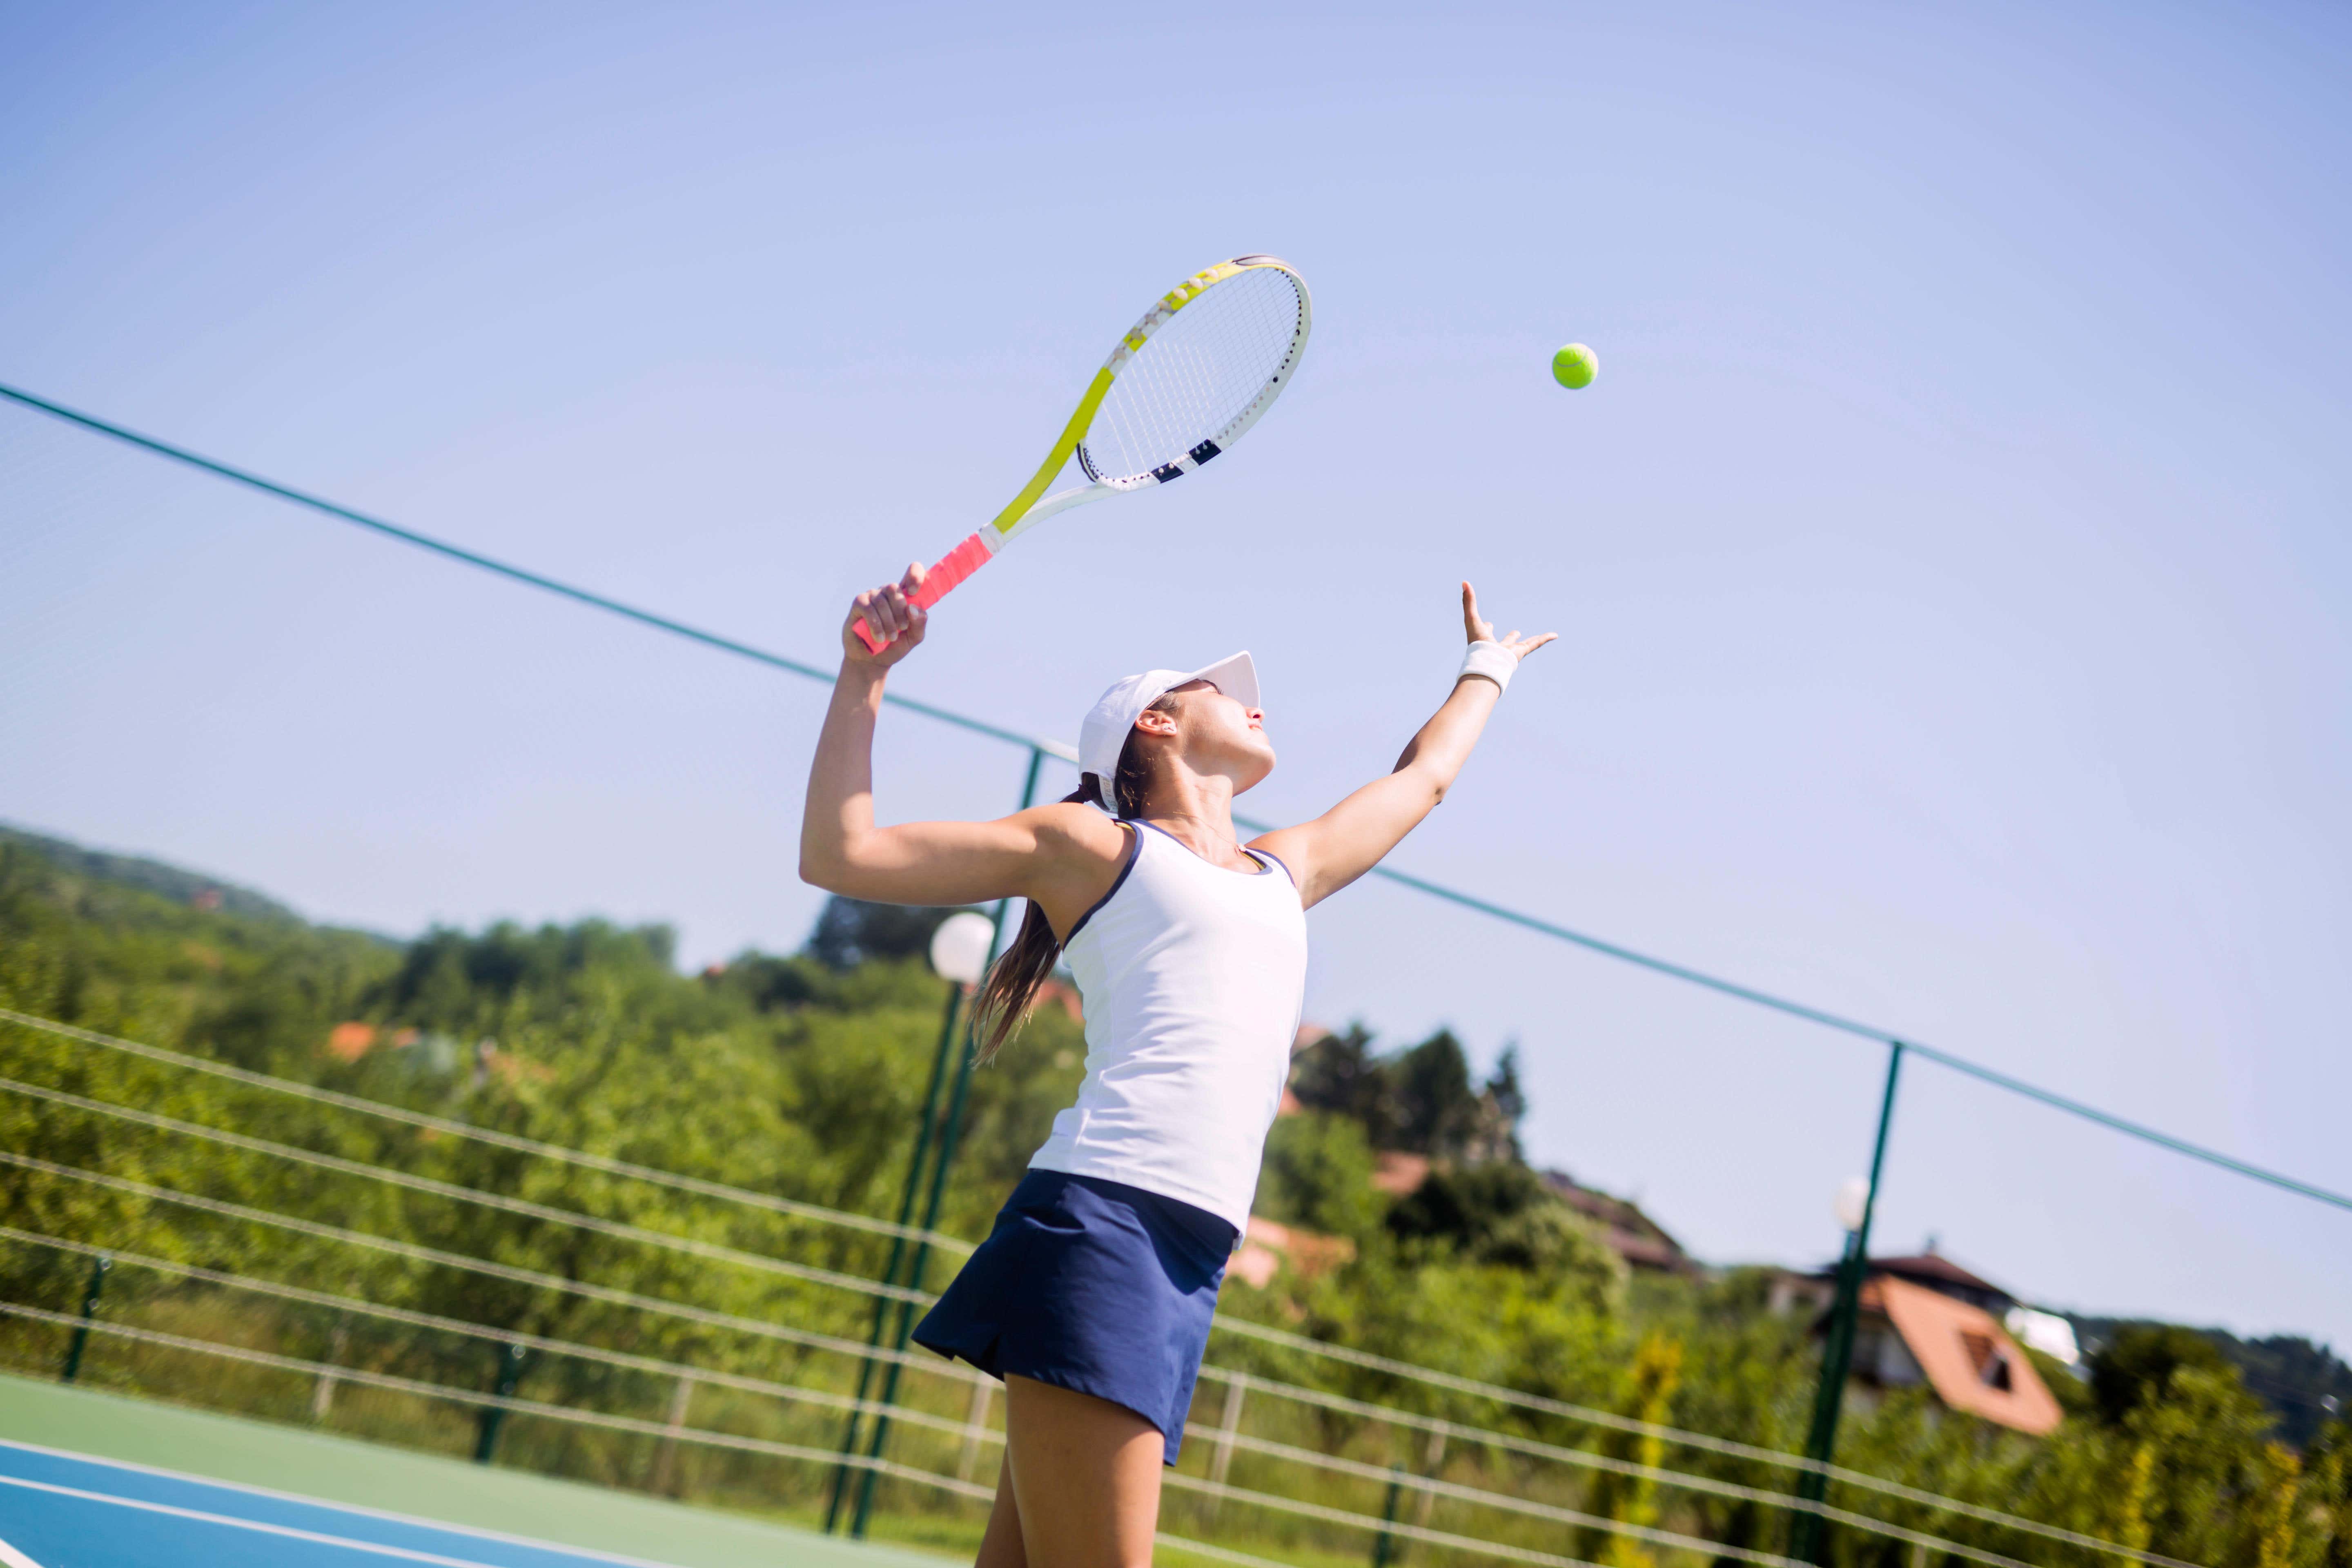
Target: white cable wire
pixel 936 1365
pixel 619 1229
pixel 1242 1327
pixel 1482 1497
pixel 1235 1325
pixel 738 1380
pixel 1307 1457
pixel 1673 1478
pixel 396 1385
pixel 417 1119
pixel 1626 1423
pixel 708 1438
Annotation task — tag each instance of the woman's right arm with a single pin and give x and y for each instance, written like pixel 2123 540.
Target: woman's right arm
pixel 1051 854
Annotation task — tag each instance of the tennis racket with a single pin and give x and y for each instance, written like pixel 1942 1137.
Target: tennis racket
pixel 1183 385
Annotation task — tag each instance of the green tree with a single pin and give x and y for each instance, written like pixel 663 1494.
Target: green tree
pixel 1318 1174
pixel 2138 1365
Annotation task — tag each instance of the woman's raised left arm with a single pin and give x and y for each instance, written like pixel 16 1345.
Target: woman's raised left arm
pixel 1345 842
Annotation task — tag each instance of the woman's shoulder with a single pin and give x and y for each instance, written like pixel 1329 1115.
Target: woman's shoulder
pixel 1070 825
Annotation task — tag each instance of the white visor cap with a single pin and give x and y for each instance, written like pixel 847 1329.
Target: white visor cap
pixel 1104 734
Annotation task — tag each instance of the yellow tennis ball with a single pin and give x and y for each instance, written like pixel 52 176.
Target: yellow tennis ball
pixel 1574 366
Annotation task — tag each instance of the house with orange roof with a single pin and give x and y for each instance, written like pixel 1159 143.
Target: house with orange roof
pixel 1924 1320
pixel 1909 1334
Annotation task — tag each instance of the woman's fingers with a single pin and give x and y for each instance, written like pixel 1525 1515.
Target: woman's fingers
pixel 885 610
pixel 1474 628
pixel 892 617
pixel 1523 649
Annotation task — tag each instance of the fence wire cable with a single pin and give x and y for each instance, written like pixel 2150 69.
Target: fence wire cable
pixel 740 1382
pixel 1069 754
pixel 1729 1447
pixel 515 1404
pixel 415 1252
pixel 706 1438
pixel 1247 1329
pixel 442 1124
pixel 620 1230
pixel 1242 1327
pixel 1687 1480
pixel 949 1425
pixel 1475 1496
pixel 1482 1497
pixel 393 1383
pixel 947 1369
pixel 520 575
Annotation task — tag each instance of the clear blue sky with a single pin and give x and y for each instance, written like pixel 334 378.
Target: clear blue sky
pixel 1951 561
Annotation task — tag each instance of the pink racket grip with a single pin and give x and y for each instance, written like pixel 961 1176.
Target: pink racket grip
pixel 954 566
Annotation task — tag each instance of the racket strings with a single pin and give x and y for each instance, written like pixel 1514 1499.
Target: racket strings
pixel 1197 374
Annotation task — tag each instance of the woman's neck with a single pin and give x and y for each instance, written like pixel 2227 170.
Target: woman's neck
pixel 1197 811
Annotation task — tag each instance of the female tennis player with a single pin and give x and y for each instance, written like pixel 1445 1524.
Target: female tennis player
pixel 1092 1296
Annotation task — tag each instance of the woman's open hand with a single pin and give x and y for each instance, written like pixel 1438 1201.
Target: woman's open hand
pixel 888 612
pixel 1484 630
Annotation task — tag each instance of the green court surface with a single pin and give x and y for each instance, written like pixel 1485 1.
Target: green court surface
pixel 422 1486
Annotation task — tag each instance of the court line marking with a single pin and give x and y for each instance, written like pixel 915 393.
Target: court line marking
pixel 474 1531
pixel 315 1537
pixel 12 1558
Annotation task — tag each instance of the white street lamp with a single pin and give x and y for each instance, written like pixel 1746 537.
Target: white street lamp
pixel 959 947
pixel 1853 1198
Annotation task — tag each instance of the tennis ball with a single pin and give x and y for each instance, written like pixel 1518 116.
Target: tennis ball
pixel 1573 366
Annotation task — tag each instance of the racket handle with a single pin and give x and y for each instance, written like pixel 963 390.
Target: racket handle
pixel 953 567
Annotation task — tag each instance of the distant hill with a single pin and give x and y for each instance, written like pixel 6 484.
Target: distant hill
pixel 182 887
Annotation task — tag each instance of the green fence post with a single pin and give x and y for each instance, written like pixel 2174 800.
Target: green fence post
pixel 1385 1550
pixel 494 1416
pixel 1807 1537
pixel 948 1135
pixel 897 1250
pixel 90 1295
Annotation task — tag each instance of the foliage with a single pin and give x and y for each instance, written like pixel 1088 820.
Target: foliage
pixel 801 1078
pixel 1318 1174
pixel 1504 1214
pixel 1419 1100
pixel 2303 1384
pixel 851 931
pixel 1628 1498
pixel 2136 1367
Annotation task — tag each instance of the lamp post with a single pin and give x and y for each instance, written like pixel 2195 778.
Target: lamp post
pixel 958 957
pixel 1856 1201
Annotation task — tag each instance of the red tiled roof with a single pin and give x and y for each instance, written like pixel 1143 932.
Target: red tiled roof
pixel 1934 1265
pixel 1969 1362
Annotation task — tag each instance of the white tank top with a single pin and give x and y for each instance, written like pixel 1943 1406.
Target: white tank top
pixel 1192 978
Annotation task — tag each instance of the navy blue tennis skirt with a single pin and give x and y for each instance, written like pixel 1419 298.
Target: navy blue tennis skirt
pixel 1090 1285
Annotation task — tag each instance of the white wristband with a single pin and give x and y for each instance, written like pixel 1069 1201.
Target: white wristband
pixel 1491 659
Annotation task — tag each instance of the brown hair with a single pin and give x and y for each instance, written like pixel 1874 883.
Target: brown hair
pixel 1013 984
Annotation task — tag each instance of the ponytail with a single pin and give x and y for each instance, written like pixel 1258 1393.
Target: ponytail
pixel 1023 969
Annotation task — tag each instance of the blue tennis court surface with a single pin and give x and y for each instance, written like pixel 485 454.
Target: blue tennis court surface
pixel 65 1511
pixel 92 1478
